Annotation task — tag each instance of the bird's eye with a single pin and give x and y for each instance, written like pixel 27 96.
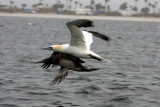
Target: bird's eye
pixel 50 48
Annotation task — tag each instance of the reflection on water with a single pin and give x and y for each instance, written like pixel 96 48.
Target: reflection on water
pixel 131 80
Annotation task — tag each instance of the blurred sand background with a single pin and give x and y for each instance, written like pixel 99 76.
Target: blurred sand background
pixel 118 18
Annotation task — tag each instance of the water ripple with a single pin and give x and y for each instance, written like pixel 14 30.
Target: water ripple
pixel 131 80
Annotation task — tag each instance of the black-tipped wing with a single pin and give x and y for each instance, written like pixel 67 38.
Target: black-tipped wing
pixel 81 23
pixel 60 76
pixel 102 36
pixel 77 37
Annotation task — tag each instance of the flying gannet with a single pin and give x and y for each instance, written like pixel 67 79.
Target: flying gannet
pixel 80 40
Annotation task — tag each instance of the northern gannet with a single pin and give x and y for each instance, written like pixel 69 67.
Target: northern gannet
pixel 80 40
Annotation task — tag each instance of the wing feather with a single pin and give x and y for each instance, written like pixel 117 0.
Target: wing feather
pixel 81 23
pixel 60 76
pixel 99 35
pixel 77 36
pixel 52 60
pixel 88 39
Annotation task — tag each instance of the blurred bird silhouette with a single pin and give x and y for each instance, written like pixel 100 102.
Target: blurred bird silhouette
pixel 67 56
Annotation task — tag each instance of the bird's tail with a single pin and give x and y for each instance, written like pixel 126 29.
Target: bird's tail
pixel 97 57
pixel 107 60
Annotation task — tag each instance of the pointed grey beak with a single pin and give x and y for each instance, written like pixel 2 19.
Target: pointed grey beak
pixel 49 49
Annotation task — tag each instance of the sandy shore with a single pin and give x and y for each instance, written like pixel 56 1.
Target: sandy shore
pixel 150 19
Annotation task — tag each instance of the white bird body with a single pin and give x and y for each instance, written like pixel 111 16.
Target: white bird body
pixel 81 53
pixel 80 41
pixel 75 51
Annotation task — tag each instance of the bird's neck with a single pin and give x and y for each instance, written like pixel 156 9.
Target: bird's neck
pixel 62 47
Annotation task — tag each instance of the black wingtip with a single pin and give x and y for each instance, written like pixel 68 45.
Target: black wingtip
pixel 81 23
pixel 102 36
pixel 86 23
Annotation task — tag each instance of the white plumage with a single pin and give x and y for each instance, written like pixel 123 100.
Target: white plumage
pixel 80 41
pixel 88 39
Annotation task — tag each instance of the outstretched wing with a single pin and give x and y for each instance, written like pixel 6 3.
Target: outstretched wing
pixel 58 57
pixel 81 23
pixel 100 35
pixel 77 36
pixel 60 76
pixel 52 60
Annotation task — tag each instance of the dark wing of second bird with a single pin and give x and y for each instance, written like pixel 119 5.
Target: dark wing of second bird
pixel 66 62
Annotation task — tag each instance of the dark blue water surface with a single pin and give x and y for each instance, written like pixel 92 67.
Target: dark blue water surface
pixel 131 80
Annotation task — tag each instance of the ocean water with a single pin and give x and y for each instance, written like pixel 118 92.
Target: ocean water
pixel 131 80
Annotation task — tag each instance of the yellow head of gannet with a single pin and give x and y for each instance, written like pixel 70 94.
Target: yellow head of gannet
pixel 59 48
